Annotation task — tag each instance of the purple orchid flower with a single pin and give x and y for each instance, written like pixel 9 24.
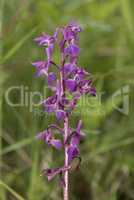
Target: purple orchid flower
pixel 41 67
pixel 70 32
pixel 68 84
pixel 75 138
pixel 47 41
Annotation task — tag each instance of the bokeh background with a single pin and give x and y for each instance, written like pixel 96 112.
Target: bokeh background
pixel 107 51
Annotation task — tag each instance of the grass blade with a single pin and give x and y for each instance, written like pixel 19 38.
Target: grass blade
pixel 17 146
pixel 14 49
pixel 16 195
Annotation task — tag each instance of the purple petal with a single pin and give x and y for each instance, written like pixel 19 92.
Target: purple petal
pixel 69 68
pixel 92 91
pixel 70 31
pixel 80 75
pixel 85 86
pixel 68 34
pixel 49 51
pixel 42 67
pixel 56 143
pixel 75 140
pixel 61 45
pixel 72 50
pixel 60 114
pixel 74 27
pixel 56 33
pixel 73 152
pixel 41 135
pixel 51 79
pixel 58 89
pixel 50 104
pixel 74 101
pixel 71 85
pixel 78 130
pixel 44 39
pixel 51 173
pixel 38 63
pixel 45 135
pixel 64 102
pixel 82 72
pixel 79 125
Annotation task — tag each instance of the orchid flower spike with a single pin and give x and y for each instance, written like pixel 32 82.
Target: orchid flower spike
pixel 68 82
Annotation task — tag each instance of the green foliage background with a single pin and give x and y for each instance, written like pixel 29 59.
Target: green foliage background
pixel 107 51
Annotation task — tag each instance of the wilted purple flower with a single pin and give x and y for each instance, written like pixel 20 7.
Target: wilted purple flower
pixel 51 173
pixel 68 84
pixel 48 137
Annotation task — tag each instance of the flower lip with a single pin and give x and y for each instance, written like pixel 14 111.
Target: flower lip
pixel 60 114
pixel 73 152
pixel 69 68
pixel 56 143
pixel 72 50
pixel 71 85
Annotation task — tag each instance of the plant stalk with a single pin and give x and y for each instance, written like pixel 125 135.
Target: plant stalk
pixel 66 174
pixel 66 161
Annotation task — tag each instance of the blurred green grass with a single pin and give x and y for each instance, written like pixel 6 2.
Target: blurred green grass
pixel 107 44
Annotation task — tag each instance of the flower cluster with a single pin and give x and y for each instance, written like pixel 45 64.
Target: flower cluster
pixel 68 84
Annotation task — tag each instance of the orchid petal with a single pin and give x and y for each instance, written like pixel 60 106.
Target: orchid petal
pixel 56 143
pixel 60 114
pixel 73 152
pixel 51 79
pixel 71 85
pixel 51 173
